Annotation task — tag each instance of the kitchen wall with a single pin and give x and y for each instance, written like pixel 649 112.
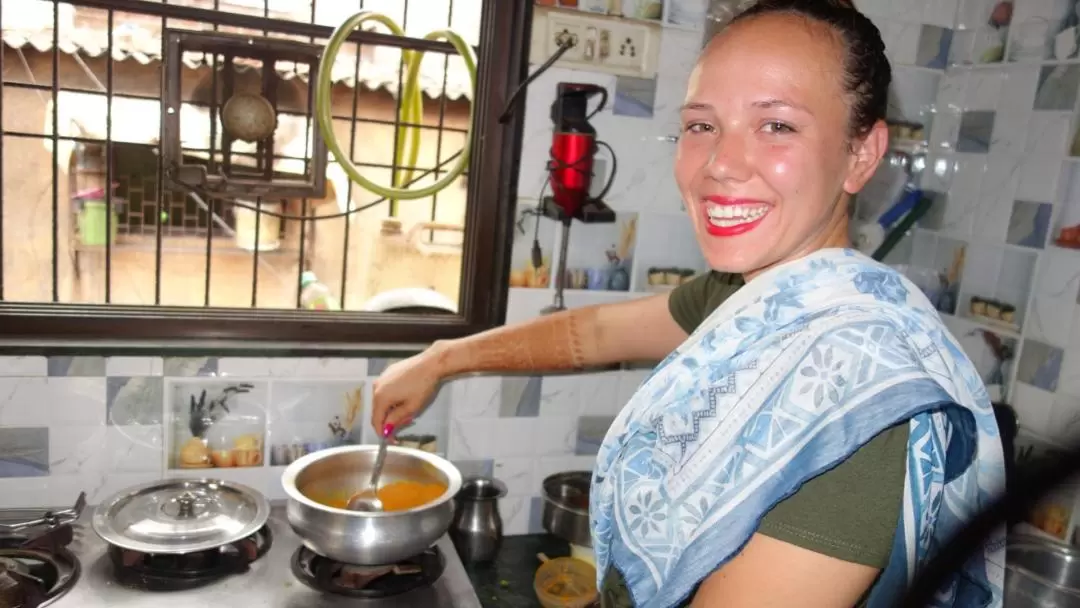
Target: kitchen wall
pixel 101 424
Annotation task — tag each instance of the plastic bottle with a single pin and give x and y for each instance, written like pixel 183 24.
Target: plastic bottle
pixel 314 295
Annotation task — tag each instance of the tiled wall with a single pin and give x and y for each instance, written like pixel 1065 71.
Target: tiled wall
pixel 998 156
pixel 103 424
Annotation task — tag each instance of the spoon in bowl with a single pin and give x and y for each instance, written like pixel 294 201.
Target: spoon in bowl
pixel 368 499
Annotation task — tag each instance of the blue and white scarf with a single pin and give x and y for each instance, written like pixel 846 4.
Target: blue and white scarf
pixel 789 377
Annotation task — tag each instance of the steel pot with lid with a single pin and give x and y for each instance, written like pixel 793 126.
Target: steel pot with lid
pixel 367 538
pixel 174 516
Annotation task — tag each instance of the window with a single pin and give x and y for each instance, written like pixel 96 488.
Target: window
pixel 105 235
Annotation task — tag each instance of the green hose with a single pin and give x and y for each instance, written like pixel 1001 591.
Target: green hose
pixel 410 112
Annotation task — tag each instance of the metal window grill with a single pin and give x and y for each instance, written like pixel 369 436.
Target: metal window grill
pixel 136 184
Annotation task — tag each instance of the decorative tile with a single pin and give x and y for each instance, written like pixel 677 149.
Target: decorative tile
pixel 976 131
pixel 520 396
pixel 32 366
pixel 933 49
pixel 590 434
pixel 1029 225
pixel 24 452
pixel 1040 365
pixel 138 400
pixel 77 366
pixel 1057 87
pixel 216 423
pixel 191 366
pixel 306 416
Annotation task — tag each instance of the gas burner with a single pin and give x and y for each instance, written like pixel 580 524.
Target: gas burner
pixel 30 578
pixel 177 572
pixel 368 582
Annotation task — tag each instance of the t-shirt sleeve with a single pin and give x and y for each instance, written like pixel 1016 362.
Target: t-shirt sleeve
pixel 690 303
pixel 687 302
pixel 850 512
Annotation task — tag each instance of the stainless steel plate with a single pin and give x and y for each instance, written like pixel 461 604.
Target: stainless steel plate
pixel 181 515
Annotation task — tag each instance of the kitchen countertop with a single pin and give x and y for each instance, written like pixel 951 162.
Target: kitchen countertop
pixel 507 582
pixel 269 583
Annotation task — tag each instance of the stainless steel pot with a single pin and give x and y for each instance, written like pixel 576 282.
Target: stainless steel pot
pixel 566 506
pixel 1041 574
pixel 367 539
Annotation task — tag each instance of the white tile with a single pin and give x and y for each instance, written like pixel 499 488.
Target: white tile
pixel 982 89
pixel 555 436
pixel 941 13
pixel 133 366
pixel 1033 407
pixel 475 397
pixel 598 394
pixel 1038 178
pixel 248 367
pixel 514 511
pixel 111 484
pixel 997 196
pixel 471 439
pixel 135 449
pixel 516 437
pixel 517 474
pixel 1065 418
pixel 1057 283
pixel 1048 134
pixel 289 367
pixel 52 401
pixel 963 199
pixel 76 450
pixel 560 395
pixel 526 303
pixel 550 465
pixel 256 478
pixel 31 366
pixel 35 492
pixel 901 41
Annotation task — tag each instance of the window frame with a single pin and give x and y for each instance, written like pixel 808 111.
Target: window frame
pixel 493 172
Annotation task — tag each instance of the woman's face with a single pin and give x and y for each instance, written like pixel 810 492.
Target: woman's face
pixel 765 161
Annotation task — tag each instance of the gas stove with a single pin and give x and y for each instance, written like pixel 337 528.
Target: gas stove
pixel 270 568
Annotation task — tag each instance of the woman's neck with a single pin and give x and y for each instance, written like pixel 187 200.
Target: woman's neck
pixel 833 236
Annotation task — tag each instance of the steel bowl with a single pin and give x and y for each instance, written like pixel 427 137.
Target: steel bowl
pixel 363 538
pixel 566 507
pixel 1041 574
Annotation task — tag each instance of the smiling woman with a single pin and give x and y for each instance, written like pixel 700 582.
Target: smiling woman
pixel 814 430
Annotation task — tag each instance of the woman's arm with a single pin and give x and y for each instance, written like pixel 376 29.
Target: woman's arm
pixel 770 573
pixel 638 330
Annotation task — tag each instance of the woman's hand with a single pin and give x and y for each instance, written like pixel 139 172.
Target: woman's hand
pixel 405 388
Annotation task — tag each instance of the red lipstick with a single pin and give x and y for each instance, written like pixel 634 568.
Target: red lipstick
pixel 737 229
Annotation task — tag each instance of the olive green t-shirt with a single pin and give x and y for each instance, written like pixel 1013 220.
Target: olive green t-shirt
pixel 850 512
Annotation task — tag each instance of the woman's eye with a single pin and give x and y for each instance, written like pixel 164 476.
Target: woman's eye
pixel 698 127
pixel 775 126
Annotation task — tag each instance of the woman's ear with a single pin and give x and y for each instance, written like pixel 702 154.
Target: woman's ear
pixel 866 155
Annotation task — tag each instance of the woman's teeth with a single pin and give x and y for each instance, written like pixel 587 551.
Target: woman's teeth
pixel 733 215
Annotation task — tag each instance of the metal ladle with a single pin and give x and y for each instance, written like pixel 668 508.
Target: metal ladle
pixel 368 499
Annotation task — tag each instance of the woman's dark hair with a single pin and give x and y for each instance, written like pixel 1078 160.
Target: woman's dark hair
pixel 867 69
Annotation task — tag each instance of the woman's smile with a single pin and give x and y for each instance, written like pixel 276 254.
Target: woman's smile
pixel 727 217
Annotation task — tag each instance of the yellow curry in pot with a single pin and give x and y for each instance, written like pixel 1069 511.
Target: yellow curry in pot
pixel 396 496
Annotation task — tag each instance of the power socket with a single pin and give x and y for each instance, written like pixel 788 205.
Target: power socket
pixel 612 45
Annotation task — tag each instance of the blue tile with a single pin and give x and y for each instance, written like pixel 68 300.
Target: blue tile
pixel 24 452
pixel 191 366
pixel 77 366
pixel 536 515
pixel 591 432
pixel 378 365
pixel 137 400
pixel 520 397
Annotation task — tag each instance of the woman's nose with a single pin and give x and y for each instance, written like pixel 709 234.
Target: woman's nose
pixel 729 159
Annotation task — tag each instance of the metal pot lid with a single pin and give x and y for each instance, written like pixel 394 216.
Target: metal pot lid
pixel 181 515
